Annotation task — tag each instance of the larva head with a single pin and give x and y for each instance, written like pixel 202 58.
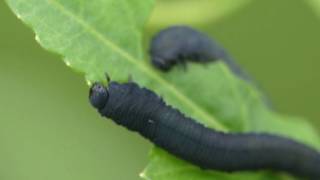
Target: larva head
pixel 98 95
pixel 161 63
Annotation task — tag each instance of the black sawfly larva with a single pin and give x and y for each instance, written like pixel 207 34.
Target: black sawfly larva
pixel 143 111
pixel 179 44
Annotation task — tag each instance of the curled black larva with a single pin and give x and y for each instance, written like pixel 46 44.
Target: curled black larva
pixel 179 44
pixel 143 111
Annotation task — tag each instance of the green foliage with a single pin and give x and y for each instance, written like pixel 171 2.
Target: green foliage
pixel 101 36
pixel 93 37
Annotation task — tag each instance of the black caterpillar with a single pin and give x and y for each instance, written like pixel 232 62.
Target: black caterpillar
pixel 141 110
pixel 179 44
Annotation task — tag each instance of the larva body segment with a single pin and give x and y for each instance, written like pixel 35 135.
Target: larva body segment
pixel 141 110
pixel 179 44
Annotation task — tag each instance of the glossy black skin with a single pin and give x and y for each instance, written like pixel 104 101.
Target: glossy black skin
pixel 141 110
pixel 179 44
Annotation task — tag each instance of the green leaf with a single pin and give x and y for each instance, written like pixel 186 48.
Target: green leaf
pixel 101 36
pixel 93 36
pixel 193 12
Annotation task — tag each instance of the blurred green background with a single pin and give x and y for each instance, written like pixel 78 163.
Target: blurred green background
pixel 48 130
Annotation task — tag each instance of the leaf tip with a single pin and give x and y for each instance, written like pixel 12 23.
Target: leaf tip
pixel 89 83
pixel 37 38
pixel 68 63
pixel 19 16
pixel 144 176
